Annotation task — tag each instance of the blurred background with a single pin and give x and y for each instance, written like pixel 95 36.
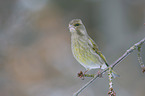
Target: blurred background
pixel 35 52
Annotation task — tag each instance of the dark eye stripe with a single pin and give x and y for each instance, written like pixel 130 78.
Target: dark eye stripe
pixel 77 24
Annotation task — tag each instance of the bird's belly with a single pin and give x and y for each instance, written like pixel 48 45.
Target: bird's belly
pixel 84 56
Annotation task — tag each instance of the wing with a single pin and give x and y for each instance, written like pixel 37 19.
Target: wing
pixel 94 47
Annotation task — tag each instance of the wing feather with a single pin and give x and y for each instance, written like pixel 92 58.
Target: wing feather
pixel 94 47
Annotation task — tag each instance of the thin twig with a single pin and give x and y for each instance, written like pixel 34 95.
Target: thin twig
pixel 111 91
pixel 81 89
pixel 140 60
pixel 130 50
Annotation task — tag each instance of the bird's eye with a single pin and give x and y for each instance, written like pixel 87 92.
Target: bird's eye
pixel 76 24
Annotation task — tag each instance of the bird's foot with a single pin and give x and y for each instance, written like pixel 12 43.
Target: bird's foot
pixel 81 75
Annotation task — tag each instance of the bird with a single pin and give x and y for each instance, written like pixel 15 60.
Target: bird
pixel 84 49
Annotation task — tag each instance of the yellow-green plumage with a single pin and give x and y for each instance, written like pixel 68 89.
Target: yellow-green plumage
pixel 84 48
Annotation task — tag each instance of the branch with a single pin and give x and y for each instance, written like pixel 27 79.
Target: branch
pixel 129 51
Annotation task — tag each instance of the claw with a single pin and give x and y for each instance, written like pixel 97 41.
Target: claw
pixel 81 75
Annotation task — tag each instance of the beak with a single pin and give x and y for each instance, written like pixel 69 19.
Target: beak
pixel 70 26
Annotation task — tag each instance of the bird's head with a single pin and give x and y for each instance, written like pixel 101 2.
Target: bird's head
pixel 76 26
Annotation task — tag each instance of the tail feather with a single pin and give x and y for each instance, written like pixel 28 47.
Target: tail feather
pixel 114 74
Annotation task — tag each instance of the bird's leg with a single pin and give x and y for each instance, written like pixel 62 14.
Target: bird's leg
pixel 86 71
pixel 99 72
pixel 84 74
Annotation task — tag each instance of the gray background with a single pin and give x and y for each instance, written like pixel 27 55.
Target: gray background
pixel 35 52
